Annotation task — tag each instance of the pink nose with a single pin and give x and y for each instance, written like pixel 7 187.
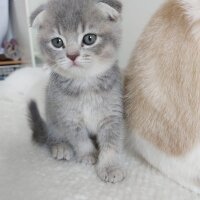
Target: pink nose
pixel 73 56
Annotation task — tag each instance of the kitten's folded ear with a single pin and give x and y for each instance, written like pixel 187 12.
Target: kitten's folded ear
pixel 110 8
pixel 37 16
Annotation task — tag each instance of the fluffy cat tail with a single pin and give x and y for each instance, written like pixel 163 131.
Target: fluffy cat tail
pixel 37 124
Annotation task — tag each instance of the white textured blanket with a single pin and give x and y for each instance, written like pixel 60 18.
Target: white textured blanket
pixel 27 172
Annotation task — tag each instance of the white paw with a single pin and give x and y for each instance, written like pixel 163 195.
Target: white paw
pixel 111 174
pixel 62 152
pixel 90 159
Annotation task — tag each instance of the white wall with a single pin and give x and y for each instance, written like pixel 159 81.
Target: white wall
pixel 136 14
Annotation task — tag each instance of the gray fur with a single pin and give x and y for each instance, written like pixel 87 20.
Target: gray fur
pixel 36 13
pixel 99 84
pixel 40 133
pixel 115 4
pixel 84 101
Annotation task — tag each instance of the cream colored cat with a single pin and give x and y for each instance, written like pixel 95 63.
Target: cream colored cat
pixel 162 92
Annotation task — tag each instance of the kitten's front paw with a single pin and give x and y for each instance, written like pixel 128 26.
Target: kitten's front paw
pixel 89 159
pixel 111 174
pixel 62 152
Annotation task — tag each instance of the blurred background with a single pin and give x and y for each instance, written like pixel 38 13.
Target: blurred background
pixel 18 46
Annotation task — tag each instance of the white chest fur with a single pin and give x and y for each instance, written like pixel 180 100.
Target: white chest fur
pixel 92 111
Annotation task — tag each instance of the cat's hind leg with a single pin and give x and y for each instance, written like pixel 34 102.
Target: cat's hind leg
pixel 85 151
pixel 62 151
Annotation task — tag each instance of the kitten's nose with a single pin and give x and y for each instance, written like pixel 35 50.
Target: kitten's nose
pixel 73 56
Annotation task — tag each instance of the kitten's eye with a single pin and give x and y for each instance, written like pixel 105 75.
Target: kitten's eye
pixel 57 42
pixel 89 39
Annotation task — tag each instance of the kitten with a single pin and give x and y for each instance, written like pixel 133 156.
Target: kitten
pixel 162 93
pixel 80 41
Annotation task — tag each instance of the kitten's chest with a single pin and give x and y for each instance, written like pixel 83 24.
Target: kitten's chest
pixel 92 111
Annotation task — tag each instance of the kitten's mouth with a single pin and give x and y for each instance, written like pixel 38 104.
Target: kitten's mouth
pixel 74 64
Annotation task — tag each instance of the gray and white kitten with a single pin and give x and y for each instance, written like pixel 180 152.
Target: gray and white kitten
pixel 80 41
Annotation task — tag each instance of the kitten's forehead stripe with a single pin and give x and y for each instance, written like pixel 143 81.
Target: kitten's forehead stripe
pixel 83 26
pixel 59 30
pixel 69 14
